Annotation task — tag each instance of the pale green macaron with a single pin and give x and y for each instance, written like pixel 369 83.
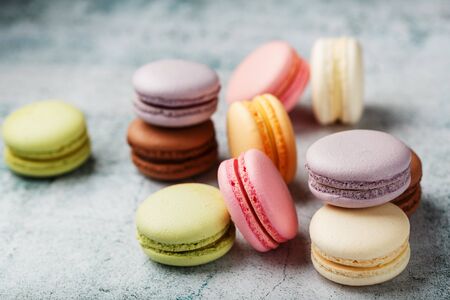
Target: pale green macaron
pixel 45 138
pixel 185 225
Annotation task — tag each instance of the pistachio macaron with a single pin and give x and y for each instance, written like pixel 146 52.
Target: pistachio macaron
pixel 185 225
pixel 45 139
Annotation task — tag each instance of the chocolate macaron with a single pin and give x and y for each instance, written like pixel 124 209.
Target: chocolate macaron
pixel 410 199
pixel 172 154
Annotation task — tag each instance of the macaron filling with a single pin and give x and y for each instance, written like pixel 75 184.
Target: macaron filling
pixel 70 146
pixel 298 83
pixel 179 103
pixel 361 272
pixel 160 156
pixel 149 243
pixel 359 189
pixel 169 111
pixel 359 263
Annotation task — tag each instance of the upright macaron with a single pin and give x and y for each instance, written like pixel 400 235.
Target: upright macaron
pixel 45 139
pixel 263 124
pixel 258 200
pixel 172 153
pixel 409 200
pixel 361 246
pixel 185 225
pixel 175 93
pixel 358 168
pixel 274 68
pixel 337 77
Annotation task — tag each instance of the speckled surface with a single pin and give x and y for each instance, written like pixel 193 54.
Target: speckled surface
pixel 73 236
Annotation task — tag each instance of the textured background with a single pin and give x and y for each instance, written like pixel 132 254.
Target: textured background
pixel 73 236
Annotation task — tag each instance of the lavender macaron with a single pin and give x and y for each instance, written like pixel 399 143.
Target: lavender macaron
pixel 175 93
pixel 358 168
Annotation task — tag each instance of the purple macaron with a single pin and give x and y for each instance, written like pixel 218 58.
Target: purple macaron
pixel 175 93
pixel 358 168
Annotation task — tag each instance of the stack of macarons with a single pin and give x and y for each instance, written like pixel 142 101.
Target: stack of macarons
pixel 173 137
pixel 45 139
pixel 358 237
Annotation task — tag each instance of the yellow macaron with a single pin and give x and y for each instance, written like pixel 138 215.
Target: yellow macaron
pixel 45 138
pixel 263 124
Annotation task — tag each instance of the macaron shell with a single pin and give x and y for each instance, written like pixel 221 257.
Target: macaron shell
pixel 325 108
pixel 353 82
pixel 47 168
pixel 286 134
pixel 269 195
pixel 43 128
pixel 358 155
pixel 266 70
pixel 292 95
pixel 182 213
pixel 359 234
pixel 173 79
pixel 347 202
pixel 257 74
pixel 242 130
pixel 360 276
pixel 240 208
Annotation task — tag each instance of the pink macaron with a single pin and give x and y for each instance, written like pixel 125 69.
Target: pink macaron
pixel 258 200
pixel 274 68
pixel 175 93
pixel 358 168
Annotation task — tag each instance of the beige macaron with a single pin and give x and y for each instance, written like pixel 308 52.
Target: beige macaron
pixel 362 246
pixel 337 77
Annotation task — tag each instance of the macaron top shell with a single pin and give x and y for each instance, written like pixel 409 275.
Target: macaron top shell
pixel 144 136
pixel 271 192
pixel 176 79
pixel 262 71
pixel 358 155
pixel 182 214
pixel 43 126
pixel 359 234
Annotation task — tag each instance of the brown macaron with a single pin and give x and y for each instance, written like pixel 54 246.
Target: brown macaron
pixel 410 199
pixel 172 153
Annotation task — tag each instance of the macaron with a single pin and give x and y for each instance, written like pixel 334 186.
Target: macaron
pixel 263 124
pixel 337 80
pixel 185 225
pixel 172 153
pixel 274 68
pixel 362 246
pixel 258 200
pixel 358 168
pixel 410 199
pixel 175 92
pixel 45 139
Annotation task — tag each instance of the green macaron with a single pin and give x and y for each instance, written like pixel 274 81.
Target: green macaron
pixel 45 138
pixel 185 225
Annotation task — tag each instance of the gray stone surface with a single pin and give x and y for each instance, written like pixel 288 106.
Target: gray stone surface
pixel 73 236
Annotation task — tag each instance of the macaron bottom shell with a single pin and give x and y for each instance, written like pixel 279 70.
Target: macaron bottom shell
pixel 360 276
pixel 197 256
pixel 47 168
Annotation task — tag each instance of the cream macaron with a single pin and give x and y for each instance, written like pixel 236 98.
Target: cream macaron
pixel 337 80
pixel 362 246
